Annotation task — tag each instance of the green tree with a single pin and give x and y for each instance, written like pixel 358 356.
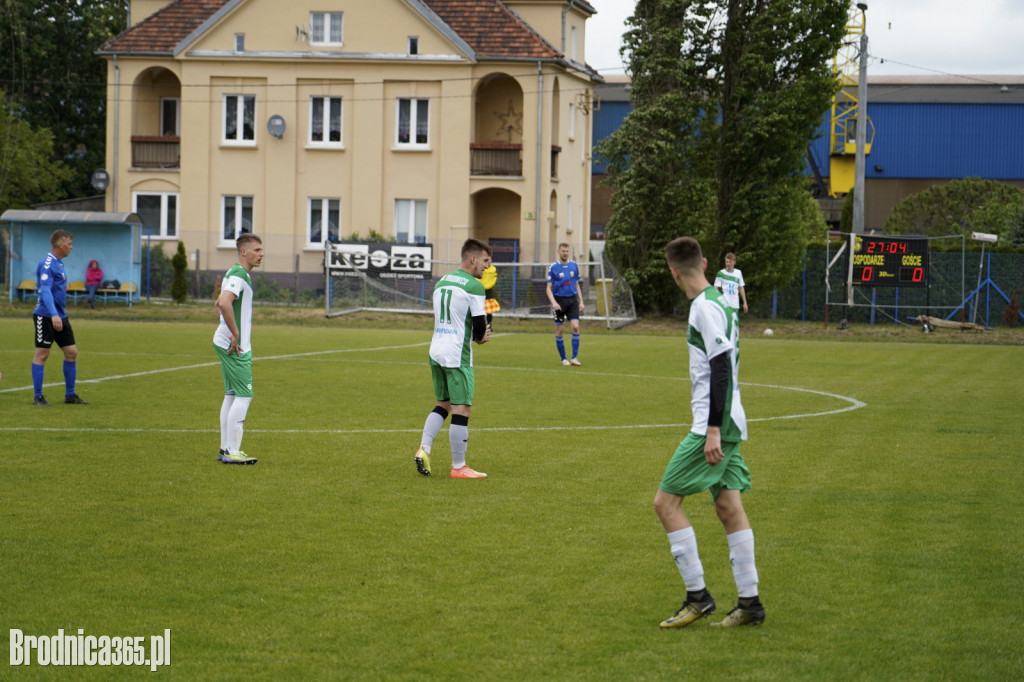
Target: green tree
pixel 27 173
pixel 1015 235
pixel 179 287
pixel 846 214
pixel 51 70
pixel 959 207
pixel 726 94
pixel 659 168
pixel 161 270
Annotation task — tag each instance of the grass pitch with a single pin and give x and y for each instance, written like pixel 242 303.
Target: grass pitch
pixel 885 507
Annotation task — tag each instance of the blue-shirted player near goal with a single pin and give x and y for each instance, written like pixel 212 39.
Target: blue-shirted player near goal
pixel 566 297
pixel 50 321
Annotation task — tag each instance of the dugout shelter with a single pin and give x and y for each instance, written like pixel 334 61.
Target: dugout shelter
pixel 113 239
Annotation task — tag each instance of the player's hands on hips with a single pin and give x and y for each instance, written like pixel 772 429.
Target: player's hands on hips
pixel 713 446
pixel 58 324
pixel 233 347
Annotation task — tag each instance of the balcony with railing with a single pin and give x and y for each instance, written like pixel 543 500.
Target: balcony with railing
pixel 496 158
pixel 151 151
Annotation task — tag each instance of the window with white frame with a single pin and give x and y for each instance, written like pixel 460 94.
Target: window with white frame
pixel 572 120
pixel 325 121
pixel 325 28
pixel 170 116
pixel 413 122
pixel 411 221
pixel 240 119
pixel 324 219
pixel 236 216
pixel 159 212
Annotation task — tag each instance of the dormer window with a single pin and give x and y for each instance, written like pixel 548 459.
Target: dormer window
pixel 325 28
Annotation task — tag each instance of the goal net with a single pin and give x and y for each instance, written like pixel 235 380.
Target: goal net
pixel 401 278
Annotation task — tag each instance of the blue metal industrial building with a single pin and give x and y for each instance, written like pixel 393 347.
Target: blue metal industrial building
pixel 928 130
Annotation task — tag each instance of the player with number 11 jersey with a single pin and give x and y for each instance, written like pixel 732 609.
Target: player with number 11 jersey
pixel 458 298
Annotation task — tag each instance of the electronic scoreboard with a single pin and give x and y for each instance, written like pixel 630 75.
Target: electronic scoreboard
pixel 890 261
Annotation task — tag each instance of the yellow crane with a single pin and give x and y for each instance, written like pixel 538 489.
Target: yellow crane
pixel 843 129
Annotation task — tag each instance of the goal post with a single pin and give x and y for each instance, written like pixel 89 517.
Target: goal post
pixel 387 277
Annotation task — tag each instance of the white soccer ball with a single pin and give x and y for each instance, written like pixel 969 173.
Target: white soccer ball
pixel 768 332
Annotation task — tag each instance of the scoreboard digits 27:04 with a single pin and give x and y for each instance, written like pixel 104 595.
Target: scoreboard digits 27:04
pixel 890 261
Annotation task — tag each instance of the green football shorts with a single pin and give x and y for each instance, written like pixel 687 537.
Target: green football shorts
pixel 688 473
pixel 237 371
pixel 452 384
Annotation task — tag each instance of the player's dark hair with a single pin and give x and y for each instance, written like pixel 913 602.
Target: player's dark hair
pixel 563 244
pixel 59 236
pixel 244 239
pixel 474 246
pixel 684 253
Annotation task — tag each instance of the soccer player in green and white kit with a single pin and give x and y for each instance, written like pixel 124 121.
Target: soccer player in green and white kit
pixel 459 318
pixel 233 343
pixel 709 457
pixel 730 282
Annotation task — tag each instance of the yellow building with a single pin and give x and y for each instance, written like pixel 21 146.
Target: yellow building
pixel 311 120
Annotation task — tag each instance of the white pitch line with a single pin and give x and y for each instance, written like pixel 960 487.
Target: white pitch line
pixel 854 404
pixel 212 364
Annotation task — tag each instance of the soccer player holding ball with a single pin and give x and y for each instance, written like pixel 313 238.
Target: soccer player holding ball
pixel 709 457
pixel 459 321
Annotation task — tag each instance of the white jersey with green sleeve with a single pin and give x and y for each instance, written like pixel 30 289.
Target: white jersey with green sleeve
pixel 458 298
pixel 714 329
pixel 730 283
pixel 237 282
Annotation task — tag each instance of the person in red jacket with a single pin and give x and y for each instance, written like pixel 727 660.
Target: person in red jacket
pixel 93 278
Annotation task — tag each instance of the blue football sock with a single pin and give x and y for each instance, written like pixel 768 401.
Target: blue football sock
pixel 575 344
pixel 560 345
pixel 70 372
pixel 37 378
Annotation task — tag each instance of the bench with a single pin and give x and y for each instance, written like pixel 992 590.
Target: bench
pixel 27 289
pixel 76 290
pixel 125 292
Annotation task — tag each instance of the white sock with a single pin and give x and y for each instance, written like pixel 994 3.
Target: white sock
pixel 224 409
pixel 741 555
pixel 683 544
pixel 458 436
pixel 236 423
pixel 430 430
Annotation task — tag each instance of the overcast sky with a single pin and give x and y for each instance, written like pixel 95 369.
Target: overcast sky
pixel 905 37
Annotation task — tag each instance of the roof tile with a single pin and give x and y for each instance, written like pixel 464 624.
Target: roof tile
pixel 492 29
pixel 164 30
pixel 488 26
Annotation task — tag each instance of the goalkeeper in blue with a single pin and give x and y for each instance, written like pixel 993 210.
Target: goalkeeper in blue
pixel 459 321
pixel 709 457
